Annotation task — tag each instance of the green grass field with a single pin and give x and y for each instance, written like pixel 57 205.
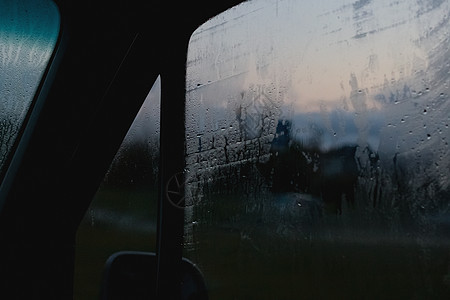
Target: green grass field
pixel 118 220
pixel 264 253
pixel 267 252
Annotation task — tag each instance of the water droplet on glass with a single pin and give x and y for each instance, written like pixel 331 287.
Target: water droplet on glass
pixel 92 217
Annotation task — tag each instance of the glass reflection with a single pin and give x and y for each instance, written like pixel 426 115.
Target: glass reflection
pixel 28 34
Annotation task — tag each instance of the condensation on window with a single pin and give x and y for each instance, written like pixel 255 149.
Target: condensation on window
pixel 28 34
pixel 122 215
pixel 317 150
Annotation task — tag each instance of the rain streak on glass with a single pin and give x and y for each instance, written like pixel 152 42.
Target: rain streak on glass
pixel 28 34
pixel 317 140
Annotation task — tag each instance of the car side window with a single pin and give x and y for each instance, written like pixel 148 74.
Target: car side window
pixel 28 35
pixel 317 150
pixel 122 215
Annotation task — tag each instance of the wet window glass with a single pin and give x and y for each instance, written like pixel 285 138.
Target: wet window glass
pixel 317 150
pixel 28 33
pixel 122 215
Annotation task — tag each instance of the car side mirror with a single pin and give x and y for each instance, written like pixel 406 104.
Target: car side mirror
pixel 132 275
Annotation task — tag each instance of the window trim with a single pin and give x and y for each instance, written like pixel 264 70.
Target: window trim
pixel 16 154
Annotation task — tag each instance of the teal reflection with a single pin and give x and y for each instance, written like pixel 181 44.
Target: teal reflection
pixel 28 34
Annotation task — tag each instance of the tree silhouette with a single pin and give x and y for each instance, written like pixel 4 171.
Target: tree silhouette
pixel 8 131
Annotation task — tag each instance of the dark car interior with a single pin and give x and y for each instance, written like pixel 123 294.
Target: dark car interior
pixel 108 55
